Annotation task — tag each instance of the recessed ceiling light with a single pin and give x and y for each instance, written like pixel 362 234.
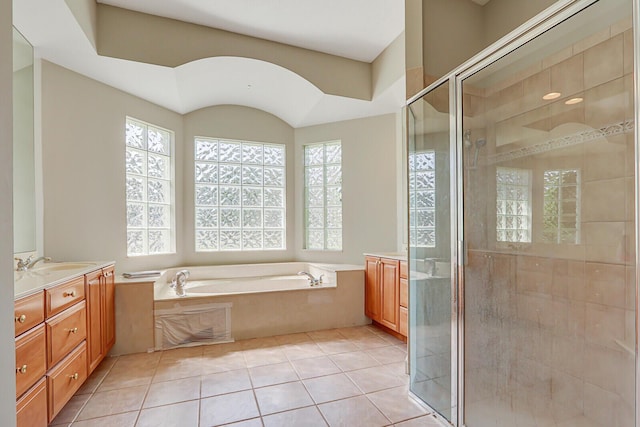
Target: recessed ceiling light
pixel 551 95
pixel 573 101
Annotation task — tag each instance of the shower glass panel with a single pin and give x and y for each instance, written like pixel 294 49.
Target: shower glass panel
pixel 549 226
pixel 430 321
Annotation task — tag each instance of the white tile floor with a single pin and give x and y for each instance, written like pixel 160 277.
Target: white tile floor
pixel 341 377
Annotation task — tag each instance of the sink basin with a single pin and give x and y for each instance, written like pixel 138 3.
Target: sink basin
pixel 62 266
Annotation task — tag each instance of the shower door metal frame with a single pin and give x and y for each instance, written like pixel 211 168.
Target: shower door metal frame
pixel 547 19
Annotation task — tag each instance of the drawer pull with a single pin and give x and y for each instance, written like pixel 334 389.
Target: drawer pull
pixel 21 318
pixel 74 376
pixel 69 294
pixel 22 370
pixel 73 330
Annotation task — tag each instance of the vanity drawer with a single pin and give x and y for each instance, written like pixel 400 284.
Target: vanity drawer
pixel 31 409
pixel 64 295
pixel 65 331
pixel 28 312
pixel 66 378
pixel 31 358
pixel 403 269
pixel 403 326
pixel 404 293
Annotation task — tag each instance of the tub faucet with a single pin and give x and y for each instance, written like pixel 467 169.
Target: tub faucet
pixel 26 264
pixel 179 281
pixel 312 280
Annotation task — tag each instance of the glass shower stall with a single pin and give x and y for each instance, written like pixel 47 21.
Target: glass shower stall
pixel 523 218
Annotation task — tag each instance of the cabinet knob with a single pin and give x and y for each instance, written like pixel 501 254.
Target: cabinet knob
pixel 22 370
pixel 73 330
pixel 74 376
pixel 21 318
pixel 69 294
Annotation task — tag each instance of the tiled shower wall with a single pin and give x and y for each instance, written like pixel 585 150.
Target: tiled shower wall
pixel 550 328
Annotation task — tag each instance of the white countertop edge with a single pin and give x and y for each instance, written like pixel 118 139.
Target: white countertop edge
pixel 391 255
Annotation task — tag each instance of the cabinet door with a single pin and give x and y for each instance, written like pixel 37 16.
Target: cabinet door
pixel 31 409
pixel 95 349
pixel 389 285
pixel 109 311
pixel 372 288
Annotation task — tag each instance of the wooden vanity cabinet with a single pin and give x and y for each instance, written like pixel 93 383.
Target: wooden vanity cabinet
pixel 28 312
pixel 31 408
pixel 62 334
pixel 383 293
pixel 403 320
pixel 100 290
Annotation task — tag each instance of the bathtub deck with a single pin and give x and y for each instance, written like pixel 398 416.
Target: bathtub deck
pixel 349 376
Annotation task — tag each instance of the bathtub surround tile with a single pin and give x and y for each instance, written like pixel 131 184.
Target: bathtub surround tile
pixel 356 411
pixel 225 382
pixel 282 397
pixel 183 414
pixel 273 374
pixel 331 387
pixel 308 417
pixel 113 402
pixel 127 419
pixel 315 367
pixel 228 408
pixel 170 392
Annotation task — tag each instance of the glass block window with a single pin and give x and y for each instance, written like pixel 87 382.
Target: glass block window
pixel 561 214
pixel 422 198
pixel 513 205
pixel 323 196
pixel 149 189
pixel 240 195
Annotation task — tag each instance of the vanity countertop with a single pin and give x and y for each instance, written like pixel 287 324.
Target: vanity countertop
pixel 49 274
pixel 400 256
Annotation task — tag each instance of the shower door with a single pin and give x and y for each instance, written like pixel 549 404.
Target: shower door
pixel 431 325
pixel 549 224
pixel 523 176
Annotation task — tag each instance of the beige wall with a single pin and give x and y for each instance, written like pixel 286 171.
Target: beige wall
pixel 369 190
pixel 453 32
pixel 84 184
pixel 7 354
pixel 503 16
pixel 83 168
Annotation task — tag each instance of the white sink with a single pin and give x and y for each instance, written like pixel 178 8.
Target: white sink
pixel 62 266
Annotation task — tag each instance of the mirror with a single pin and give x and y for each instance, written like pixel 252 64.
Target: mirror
pixel 24 194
